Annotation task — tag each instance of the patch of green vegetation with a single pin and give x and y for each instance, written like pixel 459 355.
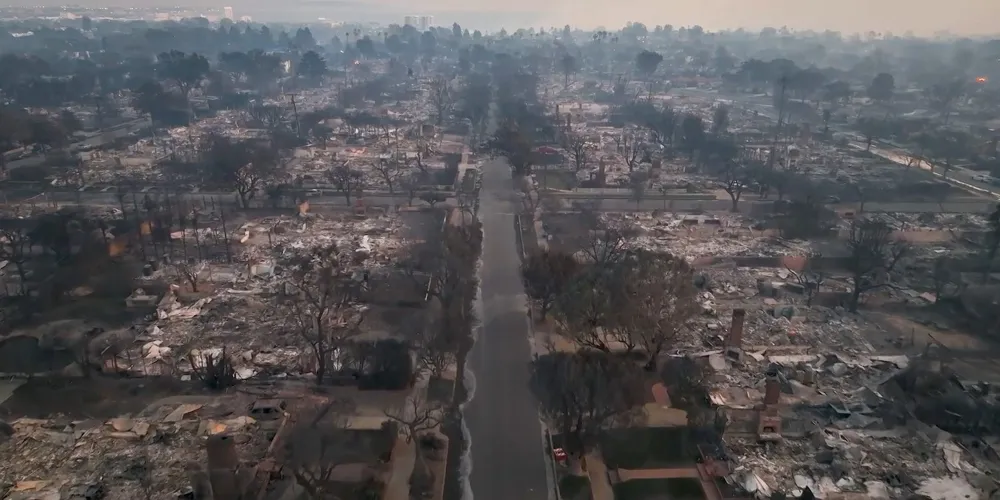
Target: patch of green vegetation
pixel 469 181
pixel 573 487
pixel 639 448
pixel 440 390
pixel 681 488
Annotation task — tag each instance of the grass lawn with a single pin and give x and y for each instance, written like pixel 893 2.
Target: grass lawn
pixel 555 179
pixel 643 448
pixel 440 390
pixel 574 487
pixel 469 181
pixel 657 489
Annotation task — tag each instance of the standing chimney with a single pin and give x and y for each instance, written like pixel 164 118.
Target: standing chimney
pixel 734 342
pixel 222 465
pixel 772 387
pixel 768 415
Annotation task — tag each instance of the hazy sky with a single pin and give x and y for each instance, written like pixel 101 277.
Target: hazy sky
pixel 898 16
pixel 923 17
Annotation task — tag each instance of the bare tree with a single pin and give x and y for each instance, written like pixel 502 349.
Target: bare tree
pixel 582 394
pixel 811 276
pixel 687 381
pixel 435 349
pixel 346 180
pixel 387 128
pixel 190 273
pixel 270 117
pixel 590 310
pixel 416 415
pixel 862 191
pixel 640 299
pixel 391 171
pixel 662 125
pixel 637 187
pixel 318 441
pixel 873 256
pixel 947 282
pixel 546 275
pixel 445 269
pixel 629 148
pixel 15 248
pixel 608 242
pixel 320 309
pixel 456 266
pixel 409 184
pixel 736 177
pixel 440 98
pixel 581 315
pixel 240 165
pixel 578 147
pixel 264 166
pixel 466 204
pixel 662 292
pixel 424 151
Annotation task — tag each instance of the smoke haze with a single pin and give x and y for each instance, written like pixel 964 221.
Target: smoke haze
pixel 922 17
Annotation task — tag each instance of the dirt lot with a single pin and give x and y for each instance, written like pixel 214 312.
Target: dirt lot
pixel 96 397
pixel 917 332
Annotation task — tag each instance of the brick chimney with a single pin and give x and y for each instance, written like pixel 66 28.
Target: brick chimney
pixel 772 387
pixel 768 415
pixel 734 341
pixel 222 465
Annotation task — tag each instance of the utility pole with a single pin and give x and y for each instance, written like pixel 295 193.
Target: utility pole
pixel 138 227
pixel 295 112
pixel 783 82
pixel 225 233
pixel 100 112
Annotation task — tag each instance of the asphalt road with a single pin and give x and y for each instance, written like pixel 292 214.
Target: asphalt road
pixel 95 140
pixel 109 199
pixel 745 206
pixel 764 105
pixel 506 445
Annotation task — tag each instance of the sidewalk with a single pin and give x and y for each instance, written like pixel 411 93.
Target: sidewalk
pixel 698 472
pixel 404 456
pixel 600 485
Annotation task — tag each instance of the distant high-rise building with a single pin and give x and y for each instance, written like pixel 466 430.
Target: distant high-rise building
pixel 421 23
pixel 227 12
